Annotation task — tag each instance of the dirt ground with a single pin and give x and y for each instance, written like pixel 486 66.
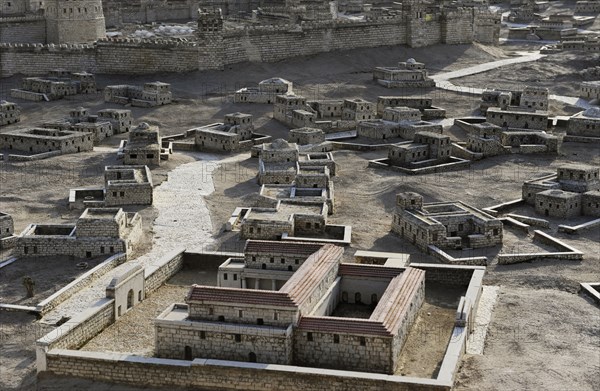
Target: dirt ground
pixel 49 274
pixel 538 300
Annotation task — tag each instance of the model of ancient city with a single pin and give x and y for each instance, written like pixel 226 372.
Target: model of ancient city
pixel 299 195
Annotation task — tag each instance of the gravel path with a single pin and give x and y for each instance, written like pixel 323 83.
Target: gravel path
pixel 183 221
pixel 442 80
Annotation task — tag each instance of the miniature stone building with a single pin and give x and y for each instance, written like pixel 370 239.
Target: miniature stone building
pixel 123 185
pixel 280 260
pixel 151 94
pixel 584 126
pixel 128 289
pixel 98 232
pixel 384 129
pixel 298 323
pixel 357 110
pixel 486 139
pixel 518 119
pixel 278 162
pixel 121 120
pixel 143 146
pixel 290 218
pixel 421 103
pixel 427 147
pixel 446 225
pixel 304 136
pixel 285 105
pixel 530 98
pixel 9 113
pixel 408 74
pixel 590 90
pixel 572 191
pixel 130 185
pixel 327 108
pixel 58 84
pixel 302 118
pixel 40 140
pixel 80 120
pixel 227 136
pixel 312 182
pixel 266 91
pixel 7 230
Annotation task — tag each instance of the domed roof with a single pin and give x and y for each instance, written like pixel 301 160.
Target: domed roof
pixel 592 112
pixel 411 61
pixel 280 144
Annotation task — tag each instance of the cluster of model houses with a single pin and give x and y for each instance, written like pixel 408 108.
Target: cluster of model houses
pixel 296 196
pixel 573 191
pixel 58 84
pixel 76 133
pixel 150 94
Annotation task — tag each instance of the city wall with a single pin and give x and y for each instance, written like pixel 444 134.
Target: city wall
pixel 24 29
pixel 254 44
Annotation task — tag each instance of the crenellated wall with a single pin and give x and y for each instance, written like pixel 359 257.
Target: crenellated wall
pixel 216 49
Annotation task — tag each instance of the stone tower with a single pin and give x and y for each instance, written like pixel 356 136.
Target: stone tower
pixel 409 200
pixel 74 21
pixel 210 37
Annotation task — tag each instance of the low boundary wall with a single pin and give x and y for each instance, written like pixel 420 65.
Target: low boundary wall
pixel 55 351
pixel 565 252
pixel 84 280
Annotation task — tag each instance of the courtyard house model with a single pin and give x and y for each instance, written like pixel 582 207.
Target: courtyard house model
pixel 445 225
pixel 97 232
pixel 123 185
pixel 298 320
pixel 573 191
pixel 58 84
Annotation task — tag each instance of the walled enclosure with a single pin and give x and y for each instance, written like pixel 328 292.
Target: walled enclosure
pixel 220 47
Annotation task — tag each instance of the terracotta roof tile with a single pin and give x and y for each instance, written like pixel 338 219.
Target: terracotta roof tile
pixel 281 247
pixel 326 324
pixel 200 293
pixel 375 271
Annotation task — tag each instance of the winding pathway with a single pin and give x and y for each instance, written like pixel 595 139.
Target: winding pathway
pixel 442 80
pixel 183 221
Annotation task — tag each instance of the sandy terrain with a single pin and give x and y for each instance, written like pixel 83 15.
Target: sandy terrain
pixel 538 298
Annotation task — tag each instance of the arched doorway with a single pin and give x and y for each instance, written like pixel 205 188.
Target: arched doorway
pixel 252 357
pixel 187 353
pixel 357 298
pixel 130 299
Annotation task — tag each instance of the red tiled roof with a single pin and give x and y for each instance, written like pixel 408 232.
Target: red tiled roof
pixel 201 293
pixel 397 298
pixel 372 271
pixel 302 283
pixel 281 247
pixel 325 324
pixel 297 289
